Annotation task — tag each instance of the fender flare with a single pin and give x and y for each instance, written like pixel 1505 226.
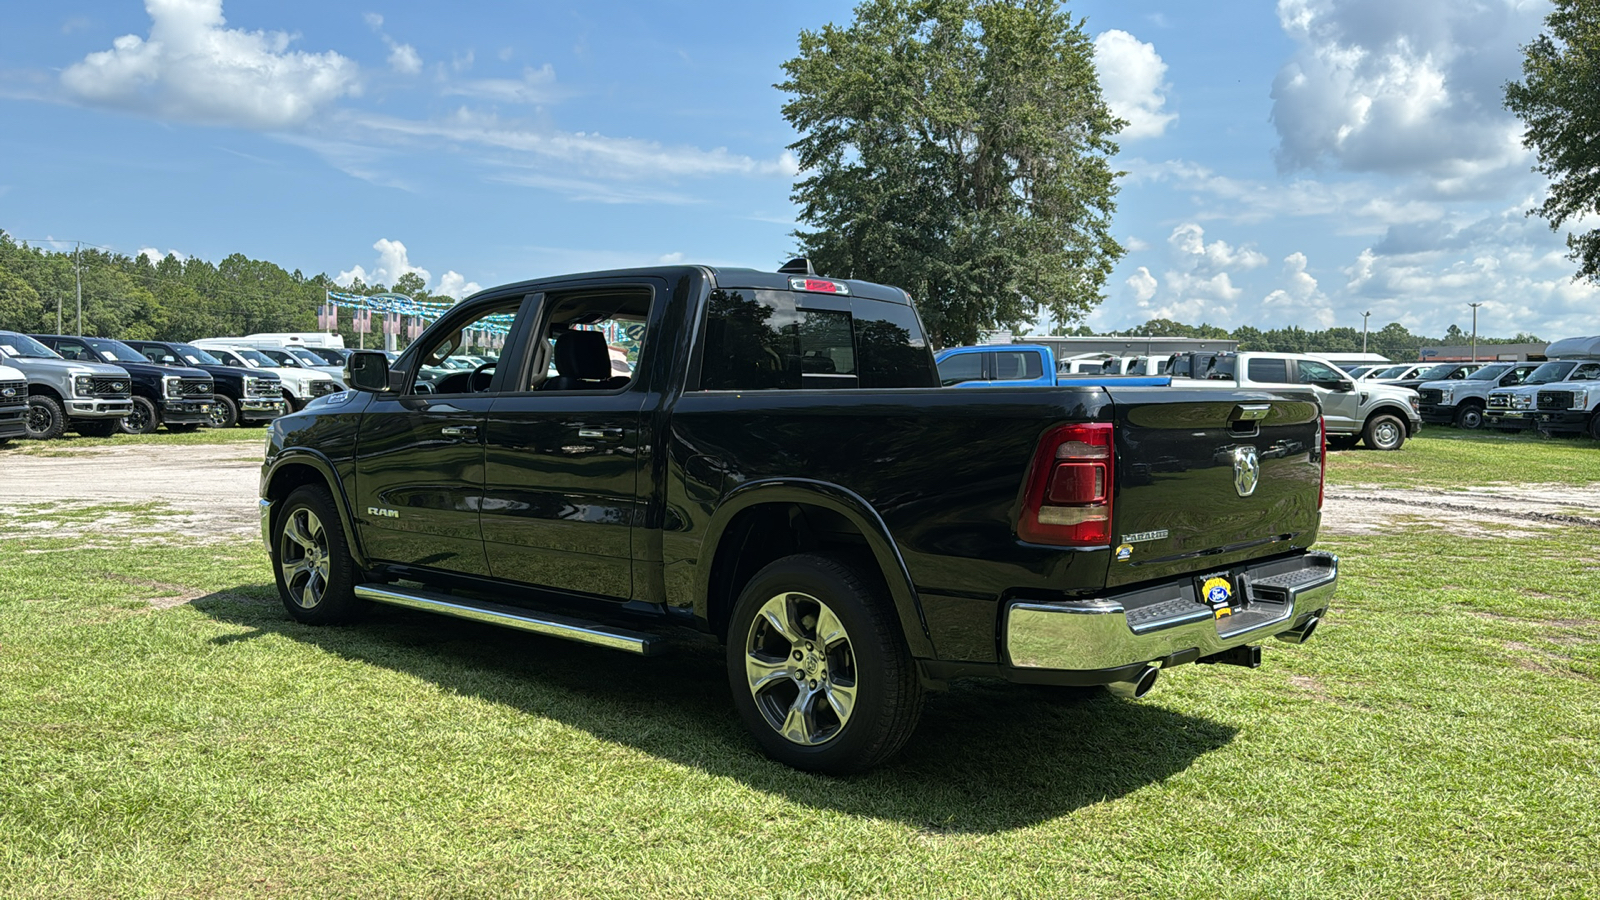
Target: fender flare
pixel 908 605
pixel 1389 407
pixel 319 462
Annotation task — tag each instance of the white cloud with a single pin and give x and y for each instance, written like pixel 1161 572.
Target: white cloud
pixel 403 58
pixel 590 153
pixel 1408 87
pixel 1144 285
pixel 155 256
pixel 670 259
pixel 1189 240
pixel 1300 296
pixel 535 86
pixel 394 261
pixel 191 68
pixel 1131 78
pixel 454 284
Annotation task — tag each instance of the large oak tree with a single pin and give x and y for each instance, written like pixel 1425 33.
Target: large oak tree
pixel 958 149
pixel 1559 101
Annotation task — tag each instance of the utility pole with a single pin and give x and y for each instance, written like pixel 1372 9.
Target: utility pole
pixel 77 271
pixel 1474 330
pixel 1364 317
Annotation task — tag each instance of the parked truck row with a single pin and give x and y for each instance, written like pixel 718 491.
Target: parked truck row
pixel 98 387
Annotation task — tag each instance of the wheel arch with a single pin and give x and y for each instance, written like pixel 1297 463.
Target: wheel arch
pixel 298 467
pixel 45 390
pixel 1391 409
pixel 766 520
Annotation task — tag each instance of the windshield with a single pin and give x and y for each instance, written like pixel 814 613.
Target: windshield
pixel 255 358
pixel 306 357
pixel 1435 373
pixel 196 357
pixel 1488 373
pixel 1550 371
pixel 23 347
pixel 281 358
pixel 328 357
pixel 115 351
pixel 1391 372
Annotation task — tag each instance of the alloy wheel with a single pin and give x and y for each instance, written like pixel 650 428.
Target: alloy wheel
pixel 304 557
pixel 39 420
pixel 801 669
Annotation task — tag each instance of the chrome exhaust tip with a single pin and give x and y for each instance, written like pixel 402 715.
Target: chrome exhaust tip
pixel 1133 690
pixel 1303 633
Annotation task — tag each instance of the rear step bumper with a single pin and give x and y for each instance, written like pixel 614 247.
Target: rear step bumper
pixel 1285 599
pixel 546 624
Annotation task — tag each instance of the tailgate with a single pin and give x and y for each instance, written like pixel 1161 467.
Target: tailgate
pixel 1206 478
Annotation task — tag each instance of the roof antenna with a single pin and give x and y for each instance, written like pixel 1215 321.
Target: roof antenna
pixel 798 266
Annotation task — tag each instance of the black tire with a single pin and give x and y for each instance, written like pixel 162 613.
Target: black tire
pixel 865 667
pixel 45 420
pixel 1384 432
pixel 295 404
pixel 1342 441
pixel 184 428
pixel 1469 417
pixel 224 411
pixel 311 560
pixel 97 428
pixel 1594 426
pixel 144 418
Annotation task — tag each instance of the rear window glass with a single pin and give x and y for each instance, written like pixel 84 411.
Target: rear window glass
pixel 1268 371
pixel 1017 365
pixel 961 367
pixel 770 340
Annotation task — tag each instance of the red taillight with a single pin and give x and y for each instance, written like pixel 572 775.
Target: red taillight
pixel 1322 474
pixel 1068 500
pixel 817 284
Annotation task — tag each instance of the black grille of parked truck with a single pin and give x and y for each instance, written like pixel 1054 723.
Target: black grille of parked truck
pixel 779 469
pixel 240 398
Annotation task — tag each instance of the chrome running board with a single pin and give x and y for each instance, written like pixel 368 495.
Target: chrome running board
pixel 528 620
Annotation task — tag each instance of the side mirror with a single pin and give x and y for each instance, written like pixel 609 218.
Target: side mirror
pixel 1340 386
pixel 367 370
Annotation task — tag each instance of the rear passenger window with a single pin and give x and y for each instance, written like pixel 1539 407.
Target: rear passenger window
pixel 1014 365
pixel 961 367
pixel 768 340
pixel 1269 371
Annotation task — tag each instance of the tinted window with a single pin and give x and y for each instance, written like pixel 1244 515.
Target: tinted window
pixel 961 367
pixel 1550 371
pixel 1017 365
pixel 767 340
pixel 1487 373
pixel 1312 371
pixel 1269 371
pixel 1587 372
pixel 74 350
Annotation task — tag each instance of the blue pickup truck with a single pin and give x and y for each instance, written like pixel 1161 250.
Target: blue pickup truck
pixel 1030 365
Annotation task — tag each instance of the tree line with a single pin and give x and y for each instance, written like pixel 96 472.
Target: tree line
pixel 170 299
pixel 1393 340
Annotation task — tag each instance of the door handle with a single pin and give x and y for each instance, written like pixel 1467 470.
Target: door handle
pixel 466 431
pixel 601 434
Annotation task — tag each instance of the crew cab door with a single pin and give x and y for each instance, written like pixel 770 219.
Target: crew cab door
pixel 1340 399
pixel 419 454
pixel 564 448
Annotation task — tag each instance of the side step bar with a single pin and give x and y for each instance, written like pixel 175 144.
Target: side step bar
pixel 528 620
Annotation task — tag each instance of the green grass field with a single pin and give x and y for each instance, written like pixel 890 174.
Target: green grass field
pixel 166 730
pixel 1443 457
pixel 72 442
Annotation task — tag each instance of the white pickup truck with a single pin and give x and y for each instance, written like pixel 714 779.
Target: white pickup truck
pixel 1379 414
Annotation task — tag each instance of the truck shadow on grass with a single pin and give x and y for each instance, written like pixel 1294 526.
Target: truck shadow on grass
pixel 987 757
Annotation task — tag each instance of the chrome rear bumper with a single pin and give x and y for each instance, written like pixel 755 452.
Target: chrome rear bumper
pixel 1107 634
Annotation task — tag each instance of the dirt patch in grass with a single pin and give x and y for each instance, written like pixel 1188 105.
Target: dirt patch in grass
pixel 1496 510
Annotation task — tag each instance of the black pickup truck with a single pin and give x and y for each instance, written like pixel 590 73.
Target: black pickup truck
pixel 240 397
pixel 179 398
pixel 781 470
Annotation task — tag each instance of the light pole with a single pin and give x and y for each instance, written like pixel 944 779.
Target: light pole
pixel 1474 330
pixel 1364 317
pixel 77 271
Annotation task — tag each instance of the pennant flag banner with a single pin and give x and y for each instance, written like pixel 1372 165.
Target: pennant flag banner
pixel 394 307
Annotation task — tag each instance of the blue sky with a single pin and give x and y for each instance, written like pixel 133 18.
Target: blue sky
pixel 1295 164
